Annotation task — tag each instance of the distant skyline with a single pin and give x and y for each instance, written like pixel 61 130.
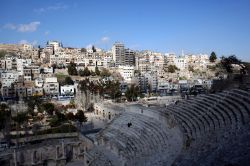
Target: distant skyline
pixel 195 26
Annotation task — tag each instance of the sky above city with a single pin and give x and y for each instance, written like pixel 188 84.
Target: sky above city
pixel 194 26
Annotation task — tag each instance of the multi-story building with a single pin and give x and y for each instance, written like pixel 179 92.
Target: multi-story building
pixel 163 87
pixel 27 74
pixel 27 47
pixel 142 82
pixel 59 58
pixel 181 63
pixel 129 57
pixel 39 82
pixel 8 77
pixel 21 63
pixel 144 67
pixel 37 91
pixel 127 72
pixel 118 52
pixel 8 92
pixel 152 80
pixel 170 58
pixel 20 90
pixel 67 90
pixel 8 63
pixel 53 46
pixel 47 70
pixel 51 86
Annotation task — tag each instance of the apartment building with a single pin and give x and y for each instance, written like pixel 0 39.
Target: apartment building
pixel 8 77
pixel 51 86
pixel 67 90
pixel 127 72
pixel 118 52
pixel 129 57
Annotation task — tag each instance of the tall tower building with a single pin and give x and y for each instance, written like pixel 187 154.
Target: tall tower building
pixel 118 52
pixel 129 57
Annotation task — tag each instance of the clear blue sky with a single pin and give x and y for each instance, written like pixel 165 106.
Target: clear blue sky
pixel 196 26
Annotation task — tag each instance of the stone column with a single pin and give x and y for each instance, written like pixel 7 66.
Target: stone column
pixel 14 157
pixel 63 150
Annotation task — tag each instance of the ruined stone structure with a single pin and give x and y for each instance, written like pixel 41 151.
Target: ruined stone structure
pixel 50 152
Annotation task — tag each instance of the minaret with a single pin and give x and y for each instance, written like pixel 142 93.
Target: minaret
pixel 182 53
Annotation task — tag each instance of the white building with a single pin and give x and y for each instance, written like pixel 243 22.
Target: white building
pixel 152 80
pixel 163 87
pixel 27 47
pixel 8 77
pixel 67 90
pixel 170 58
pixel 181 63
pixel 39 82
pixel 59 58
pixel 127 72
pixel 47 70
pixel 53 45
pixel 51 86
pixel 7 63
pixel 21 63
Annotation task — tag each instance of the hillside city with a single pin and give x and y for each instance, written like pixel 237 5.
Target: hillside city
pixel 58 103
pixel 29 71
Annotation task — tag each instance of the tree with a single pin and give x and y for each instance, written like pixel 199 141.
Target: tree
pixel 32 102
pixel 91 108
pixel 132 93
pixel 93 49
pixel 4 114
pixel 70 116
pixel 212 57
pixel 112 89
pixel 105 73
pixel 92 73
pixel 68 81
pixel 54 66
pixel 149 89
pixel 2 54
pixel 80 73
pixel 227 63
pixel 172 68
pixel 83 50
pixel 191 68
pixel 54 122
pixel 80 116
pixel 84 72
pixel 97 71
pixel 20 118
pixel 72 69
pixel 48 107
pixel 61 117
